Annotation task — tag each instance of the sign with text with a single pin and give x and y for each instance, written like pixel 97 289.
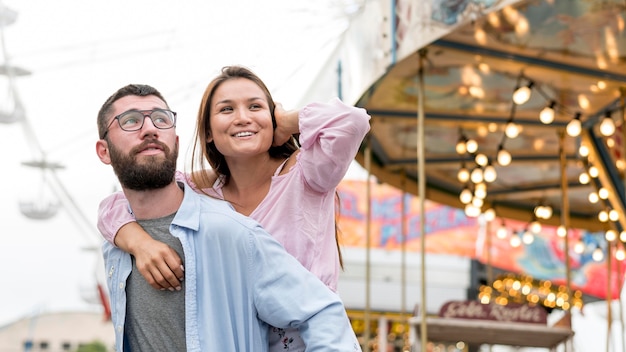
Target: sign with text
pixel 517 313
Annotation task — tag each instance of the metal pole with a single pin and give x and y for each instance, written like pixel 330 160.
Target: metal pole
pixel 609 299
pixel 421 181
pixel 565 213
pixel 403 246
pixel 368 240
pixel 622 91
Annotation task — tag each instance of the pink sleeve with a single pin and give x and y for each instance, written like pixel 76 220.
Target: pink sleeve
pixel 114 212
pixel 330 135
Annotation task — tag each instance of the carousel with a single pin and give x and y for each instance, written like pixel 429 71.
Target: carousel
pixel 512 111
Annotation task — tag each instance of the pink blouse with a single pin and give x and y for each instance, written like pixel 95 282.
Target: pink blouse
pixel 299 209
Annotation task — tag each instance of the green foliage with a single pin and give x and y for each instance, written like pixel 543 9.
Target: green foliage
pixel 95 346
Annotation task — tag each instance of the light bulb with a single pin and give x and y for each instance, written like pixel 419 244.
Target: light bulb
pixel 547 212
pixel 502 232
pixel 561 231
pixel 511 130
pixel 610 235
pixel 477 175
pixel 528 237
pixel 490 214
pixel 466 196
pixel 515 241
pixel 593 198
pixel 490 173
pixel 480 192
pixel 504 157
pixel 471 211
pixel 481 159
pixel 620 254
pixel 461 148
pixel 546 116
pixel 603 193
pixel 463 175
pixel 471 146
pixel 579 247
pixel 480 36
pixel 607 126
pixel 583 178
pixel 574 126
pixel 522 94
pixel 597 254
pixel 535 227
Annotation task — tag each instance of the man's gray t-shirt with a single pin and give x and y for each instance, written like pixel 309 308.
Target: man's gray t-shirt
pixel 155 319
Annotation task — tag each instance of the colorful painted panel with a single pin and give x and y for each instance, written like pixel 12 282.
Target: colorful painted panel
pixel 449 231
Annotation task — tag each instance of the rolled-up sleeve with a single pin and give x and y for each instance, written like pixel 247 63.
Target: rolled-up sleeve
pixel 330 136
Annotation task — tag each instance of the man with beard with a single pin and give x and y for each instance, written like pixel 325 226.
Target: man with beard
pixel 238 278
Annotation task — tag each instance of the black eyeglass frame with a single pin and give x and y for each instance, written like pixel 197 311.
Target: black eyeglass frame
pixel 145 113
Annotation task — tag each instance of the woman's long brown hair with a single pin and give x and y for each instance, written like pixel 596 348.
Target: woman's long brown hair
pixel 204 151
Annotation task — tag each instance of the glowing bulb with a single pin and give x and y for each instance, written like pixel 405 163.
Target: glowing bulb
pixel 515 241
pixel 613 215
pixel 465 196
pixel 607 126
pixel 471 211
pixel 535 227
pixel 481 159
pixel 603 216
pixel 620 254
pixel 504 157
pixel 561 231
pixel 583 150
pixel 546 116
pixel 610 235
pixel 490 174
pixel 511 130
pixel 463 175
pixel 480 35
pixel 461 148
pixel 622 236
pixel 574 127
pixel 522 94
pixel 477 175
pixel 489 214
pixel 603 193
pixel 502 232
pixel 584 178
pixel 593 198
pixel 528 237
pixel 480 192
pixel 597 254
pixel 471 146
pixel 579 247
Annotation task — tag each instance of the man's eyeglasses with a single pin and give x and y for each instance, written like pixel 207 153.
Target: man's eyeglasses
pixel 132 120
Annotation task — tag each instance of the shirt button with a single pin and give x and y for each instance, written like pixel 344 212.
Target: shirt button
pixel 121 285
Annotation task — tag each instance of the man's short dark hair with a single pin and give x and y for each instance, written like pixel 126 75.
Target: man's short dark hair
pixel 141 90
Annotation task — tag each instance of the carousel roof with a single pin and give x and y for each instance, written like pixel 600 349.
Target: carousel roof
pixel 569 57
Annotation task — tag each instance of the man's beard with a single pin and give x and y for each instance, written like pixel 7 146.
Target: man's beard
pixel 153 173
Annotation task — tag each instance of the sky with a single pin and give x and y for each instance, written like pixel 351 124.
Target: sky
pixel 78 53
